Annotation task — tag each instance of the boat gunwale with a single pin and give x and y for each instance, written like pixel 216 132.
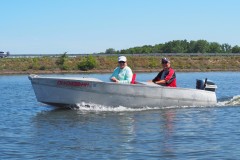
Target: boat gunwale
pixel 123 84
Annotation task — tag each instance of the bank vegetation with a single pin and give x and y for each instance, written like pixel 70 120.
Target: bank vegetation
pixel 99 64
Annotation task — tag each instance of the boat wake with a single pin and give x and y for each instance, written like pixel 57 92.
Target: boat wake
pixel 91 107
pixel 101 108
pixel 234 101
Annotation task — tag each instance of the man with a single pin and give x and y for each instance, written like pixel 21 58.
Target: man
pixel 167 76
pixel 123 73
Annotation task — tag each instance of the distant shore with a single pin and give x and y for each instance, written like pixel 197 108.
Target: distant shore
pixel 106 64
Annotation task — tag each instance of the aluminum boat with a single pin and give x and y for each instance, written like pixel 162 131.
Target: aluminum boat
pixel 69 91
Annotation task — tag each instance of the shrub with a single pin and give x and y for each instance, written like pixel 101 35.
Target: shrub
pixel 87 63
pixel 35 64
pixel 62 60
pixel 153 62
pixel 42 68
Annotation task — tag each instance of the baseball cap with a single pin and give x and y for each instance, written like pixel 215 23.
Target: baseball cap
pixel 165 60
pixel 122 58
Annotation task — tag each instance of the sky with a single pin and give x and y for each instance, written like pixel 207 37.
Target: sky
pixel 92 26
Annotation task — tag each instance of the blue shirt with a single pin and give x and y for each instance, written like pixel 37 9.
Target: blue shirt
pixel 123 75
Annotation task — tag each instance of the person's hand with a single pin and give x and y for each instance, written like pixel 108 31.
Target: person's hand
pixel 114 79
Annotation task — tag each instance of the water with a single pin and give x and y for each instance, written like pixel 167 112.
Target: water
pixel 31 130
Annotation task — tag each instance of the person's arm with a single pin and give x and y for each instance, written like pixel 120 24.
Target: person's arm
pixel 114 75
pixel 157 78
pixel 161 82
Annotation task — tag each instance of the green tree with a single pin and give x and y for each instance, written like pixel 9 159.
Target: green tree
pixel 178 46
pixel 226 48
pixel 214 47
pixel 236 49
pixel 147 49
pixel 167 47
pixel 191 48
pixel 201 46
pixel 158 48
pixel 110 51
pixel 123 51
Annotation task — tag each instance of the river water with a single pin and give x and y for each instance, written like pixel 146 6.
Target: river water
pixel 31 130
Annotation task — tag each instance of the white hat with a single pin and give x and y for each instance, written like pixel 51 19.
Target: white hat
pixel 122 58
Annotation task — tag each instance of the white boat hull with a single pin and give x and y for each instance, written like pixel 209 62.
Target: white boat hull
pixel 73 91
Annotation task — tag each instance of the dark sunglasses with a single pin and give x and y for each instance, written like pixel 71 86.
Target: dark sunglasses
pixel 164 62
pixel 121 62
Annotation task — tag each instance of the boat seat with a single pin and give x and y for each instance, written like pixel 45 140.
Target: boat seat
pixel 133 79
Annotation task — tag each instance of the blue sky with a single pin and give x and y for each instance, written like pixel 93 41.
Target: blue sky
pixel 88 26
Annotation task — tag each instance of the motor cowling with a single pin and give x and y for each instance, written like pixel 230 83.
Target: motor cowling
pixel 206 85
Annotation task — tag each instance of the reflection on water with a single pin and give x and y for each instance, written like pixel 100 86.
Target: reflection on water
pixel 123 132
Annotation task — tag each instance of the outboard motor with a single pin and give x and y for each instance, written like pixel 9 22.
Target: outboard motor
pixel 200 84
pixel 206 85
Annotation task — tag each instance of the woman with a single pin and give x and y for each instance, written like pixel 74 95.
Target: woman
pixel 123 73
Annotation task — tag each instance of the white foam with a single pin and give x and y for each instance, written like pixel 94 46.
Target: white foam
pixel 91 107
pixel 232 102
pixel 99 108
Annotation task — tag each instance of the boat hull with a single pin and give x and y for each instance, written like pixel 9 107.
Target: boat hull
pixel 74 91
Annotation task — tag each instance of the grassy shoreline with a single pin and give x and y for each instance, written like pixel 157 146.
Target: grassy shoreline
pixel 105 71
pixel 106 64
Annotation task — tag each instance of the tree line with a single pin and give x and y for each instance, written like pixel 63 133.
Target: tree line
pixel 179 46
